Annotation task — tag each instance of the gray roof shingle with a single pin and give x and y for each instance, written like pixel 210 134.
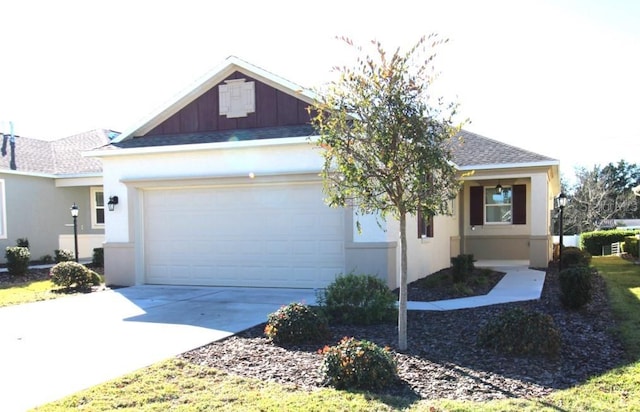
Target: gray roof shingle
pixel 471 149
pixel 218 136
pixel 468 149
pixel 59 157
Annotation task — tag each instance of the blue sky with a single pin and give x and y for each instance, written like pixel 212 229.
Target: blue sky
pixel 561 77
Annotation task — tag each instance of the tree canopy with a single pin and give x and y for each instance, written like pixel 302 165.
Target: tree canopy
pixel 601 194
pixel 386 140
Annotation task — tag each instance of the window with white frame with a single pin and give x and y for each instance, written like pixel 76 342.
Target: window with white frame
pixel 97 208
pixel 498 205
pixel 3 211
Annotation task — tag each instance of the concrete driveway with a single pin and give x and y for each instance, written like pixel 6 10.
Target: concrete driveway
pixel 55 348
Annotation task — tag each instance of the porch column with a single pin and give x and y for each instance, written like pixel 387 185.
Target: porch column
pixel 541 241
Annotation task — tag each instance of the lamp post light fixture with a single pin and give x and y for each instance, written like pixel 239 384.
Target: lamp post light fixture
pixel 562 202
pixel 74 214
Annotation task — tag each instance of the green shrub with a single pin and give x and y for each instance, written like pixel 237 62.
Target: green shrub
pixel 46 259
pixel 575 286
pixel 63 255
pixel 22 242
pixel 17 260
pixel 593 242
pixel 98 257
pixel 295 323
pixel 71 274
pixel 520 332
pixel 357 364
pixel 462 267
pixel 631 245
pixel 358 300
pixel 573 256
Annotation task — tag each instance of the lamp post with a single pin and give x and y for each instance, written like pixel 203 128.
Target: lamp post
pixel 74 214
pixel 562 202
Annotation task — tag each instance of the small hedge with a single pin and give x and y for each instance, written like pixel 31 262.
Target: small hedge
pixel 357 364
pixel 98 257
pixel 22 242
pixel 63 255
pixel 295 323
pixel 462 267
pixel 593 242
pixel 71 274
pixel 520 332
pixel 358 300
pixel 573 256
pixel 18 258
pixel 631 245
pixel 575 286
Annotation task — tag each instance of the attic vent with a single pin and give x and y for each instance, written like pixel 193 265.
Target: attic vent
pixel 237 98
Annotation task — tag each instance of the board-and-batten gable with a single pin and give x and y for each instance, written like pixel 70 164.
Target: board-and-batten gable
pixel 273 107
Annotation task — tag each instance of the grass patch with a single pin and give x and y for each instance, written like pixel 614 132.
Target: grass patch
pixel 27 292
pixel 181 386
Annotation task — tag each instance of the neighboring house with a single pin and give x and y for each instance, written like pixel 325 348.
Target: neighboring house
pixel 222 187
pixel 39 181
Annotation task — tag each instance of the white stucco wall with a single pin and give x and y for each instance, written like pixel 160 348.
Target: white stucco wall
pixel 241 160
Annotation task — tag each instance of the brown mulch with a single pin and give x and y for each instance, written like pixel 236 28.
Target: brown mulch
pixel 444 359
pixel 446 290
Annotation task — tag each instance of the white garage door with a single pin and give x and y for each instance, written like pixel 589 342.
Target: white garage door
pixel 256 235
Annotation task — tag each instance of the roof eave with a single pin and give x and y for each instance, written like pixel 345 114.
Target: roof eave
pixel 543 163
pixel 196 147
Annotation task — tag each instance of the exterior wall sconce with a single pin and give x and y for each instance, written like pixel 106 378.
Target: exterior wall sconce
pixel 499 189
pixel 113 201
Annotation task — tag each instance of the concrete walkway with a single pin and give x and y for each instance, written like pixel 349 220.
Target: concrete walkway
pixel 518 284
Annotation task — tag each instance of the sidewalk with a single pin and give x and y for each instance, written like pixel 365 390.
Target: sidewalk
pixel 518 284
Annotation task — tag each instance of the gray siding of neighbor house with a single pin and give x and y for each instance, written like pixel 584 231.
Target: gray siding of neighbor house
pixel 40 212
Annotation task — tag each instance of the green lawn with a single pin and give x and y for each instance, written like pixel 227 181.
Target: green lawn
pixel 27 292
pixel 180 386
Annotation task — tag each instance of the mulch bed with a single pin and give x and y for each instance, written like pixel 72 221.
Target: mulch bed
pixel 444 359
pixel 446 290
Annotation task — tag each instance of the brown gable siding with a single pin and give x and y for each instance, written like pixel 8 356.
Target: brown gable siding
pixel 273 108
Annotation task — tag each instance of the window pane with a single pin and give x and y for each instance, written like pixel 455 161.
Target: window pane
pixel 493 198
pixel 99 199
pixel 100 216
pixel 499 214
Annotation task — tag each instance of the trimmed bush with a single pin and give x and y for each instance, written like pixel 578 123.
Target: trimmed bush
pixel 22 242
pixel 462 267
pixel 295 323
pixel 358 300
pixel 98 257
pixel 631 245
pixel 18 258
pixel 46 259
pixel 63 255
pixel 517 331
pixel 573 256
pixel 71 274
pixel 357 364
pixel 593 242
pixel 575 286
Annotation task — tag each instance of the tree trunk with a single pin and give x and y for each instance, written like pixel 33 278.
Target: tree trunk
pixel 402 306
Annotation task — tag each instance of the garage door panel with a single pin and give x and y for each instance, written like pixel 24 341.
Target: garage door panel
pixel 242 236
